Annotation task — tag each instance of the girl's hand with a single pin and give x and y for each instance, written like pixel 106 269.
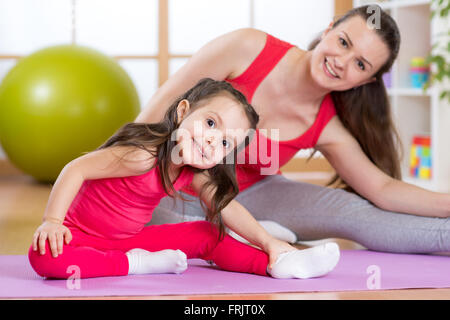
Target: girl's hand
pixel 274 248
pixel 56 233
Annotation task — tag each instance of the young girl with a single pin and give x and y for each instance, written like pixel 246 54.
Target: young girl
pixel 96 214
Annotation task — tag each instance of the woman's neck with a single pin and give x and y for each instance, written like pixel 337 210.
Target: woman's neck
pixel 300 83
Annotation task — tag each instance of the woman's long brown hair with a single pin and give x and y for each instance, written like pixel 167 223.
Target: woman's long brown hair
pixel 365 111
pixel 156 138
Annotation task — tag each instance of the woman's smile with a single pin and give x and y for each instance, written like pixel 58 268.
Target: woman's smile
pixel 329 70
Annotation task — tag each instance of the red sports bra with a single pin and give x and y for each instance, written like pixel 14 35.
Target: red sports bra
pixel 264 156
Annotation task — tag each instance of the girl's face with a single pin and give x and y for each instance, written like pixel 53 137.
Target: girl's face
pixel 348 56
pixel 210 132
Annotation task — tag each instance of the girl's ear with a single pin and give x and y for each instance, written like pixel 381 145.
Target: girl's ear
pixel 182 110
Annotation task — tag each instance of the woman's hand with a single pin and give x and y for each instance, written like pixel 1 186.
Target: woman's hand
pixel 274 248
pixel 56 233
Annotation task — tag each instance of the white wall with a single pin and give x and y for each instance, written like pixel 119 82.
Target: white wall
pixel 295 21
pixel 129 27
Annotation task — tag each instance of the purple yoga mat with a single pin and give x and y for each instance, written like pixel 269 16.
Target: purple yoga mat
pixel 357 270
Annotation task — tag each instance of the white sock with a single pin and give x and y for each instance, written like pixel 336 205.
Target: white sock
pixel 141 261
pixel 308 263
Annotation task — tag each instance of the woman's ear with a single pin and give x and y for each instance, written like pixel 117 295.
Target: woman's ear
pixel 182 110
pixel 330 26
pixel 370 80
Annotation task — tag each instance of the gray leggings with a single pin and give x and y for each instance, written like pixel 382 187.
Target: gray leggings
pixel 313 212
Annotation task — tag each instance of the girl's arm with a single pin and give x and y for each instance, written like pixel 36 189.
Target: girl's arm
pixel 105 163
pixel 234 51
pixel 237 218
pixel 346 156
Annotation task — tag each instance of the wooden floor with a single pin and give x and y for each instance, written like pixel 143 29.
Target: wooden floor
pixel 22 203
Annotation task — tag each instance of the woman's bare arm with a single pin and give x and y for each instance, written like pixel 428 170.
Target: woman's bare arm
pixel 346 156
pixel 224 57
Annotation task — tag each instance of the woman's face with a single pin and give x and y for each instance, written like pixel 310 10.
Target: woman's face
pixel 210 132
pixel 348 56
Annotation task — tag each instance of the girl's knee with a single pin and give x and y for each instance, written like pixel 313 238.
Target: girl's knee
pixel 45 264
pixel 39 262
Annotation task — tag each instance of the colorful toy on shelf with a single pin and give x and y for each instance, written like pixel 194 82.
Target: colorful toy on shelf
pixel 420 158
pixel 419 72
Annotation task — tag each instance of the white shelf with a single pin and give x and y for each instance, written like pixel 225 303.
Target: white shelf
pixel 413 92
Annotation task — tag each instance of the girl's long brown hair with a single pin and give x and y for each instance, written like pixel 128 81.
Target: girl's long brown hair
pixel 365 111
pixel 156 138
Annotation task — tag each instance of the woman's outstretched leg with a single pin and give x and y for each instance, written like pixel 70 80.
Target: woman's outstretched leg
pixel 313 212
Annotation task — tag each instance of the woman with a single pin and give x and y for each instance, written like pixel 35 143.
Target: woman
pixel 330 98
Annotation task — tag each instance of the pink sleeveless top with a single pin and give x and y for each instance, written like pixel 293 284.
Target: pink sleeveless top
pixel 118 208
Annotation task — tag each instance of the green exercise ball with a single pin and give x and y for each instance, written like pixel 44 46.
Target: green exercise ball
pixel 59 102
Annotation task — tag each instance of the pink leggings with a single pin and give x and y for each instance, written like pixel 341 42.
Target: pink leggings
pixel 98 257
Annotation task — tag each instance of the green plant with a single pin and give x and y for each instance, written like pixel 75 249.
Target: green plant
pixel 440 51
